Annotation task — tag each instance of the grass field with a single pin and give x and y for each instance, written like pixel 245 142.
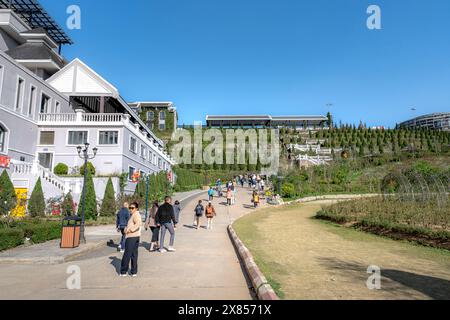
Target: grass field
pixel 304 258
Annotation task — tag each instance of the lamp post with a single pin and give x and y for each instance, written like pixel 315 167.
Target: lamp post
pixel 84 154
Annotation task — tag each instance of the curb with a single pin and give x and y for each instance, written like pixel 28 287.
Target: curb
pixel 264 290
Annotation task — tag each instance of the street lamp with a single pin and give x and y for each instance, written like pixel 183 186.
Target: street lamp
pixel 84 154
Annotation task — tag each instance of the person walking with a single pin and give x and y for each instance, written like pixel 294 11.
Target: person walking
pixel 229 196
pixel 199 209
pixel 211 194
pixel 177 212
pixel 165 218
pixel 121 223
pixel 133 234
pixel 210 214
pixel 255 199
pixel 153 227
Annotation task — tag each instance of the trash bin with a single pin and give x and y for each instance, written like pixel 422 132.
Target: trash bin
pixel 70 235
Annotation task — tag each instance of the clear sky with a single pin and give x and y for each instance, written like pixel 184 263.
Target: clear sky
pixel 280 57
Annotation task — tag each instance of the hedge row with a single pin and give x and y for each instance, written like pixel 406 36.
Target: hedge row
pixel 36 231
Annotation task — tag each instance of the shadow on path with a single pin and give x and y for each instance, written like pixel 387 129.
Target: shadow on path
pixel 435 288
pixel 116 263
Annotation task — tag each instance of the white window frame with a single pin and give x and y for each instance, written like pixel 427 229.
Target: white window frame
pixel 52 165
pixel 76 130
pixel 134 170
pixel 108 145
pixel 32 102
pixel 49 105
pixel 143 154
pixel 151 119
pixel 19 96
pixel 136 145
pixel 6 139
pixel 162 113
pixel 47 145
pixel 2 75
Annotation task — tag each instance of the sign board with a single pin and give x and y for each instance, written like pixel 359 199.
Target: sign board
pixel 4 162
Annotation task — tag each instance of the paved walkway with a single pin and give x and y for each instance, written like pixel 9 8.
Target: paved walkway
pixel 204 267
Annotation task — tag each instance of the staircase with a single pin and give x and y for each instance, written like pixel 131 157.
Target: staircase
pixel 25 175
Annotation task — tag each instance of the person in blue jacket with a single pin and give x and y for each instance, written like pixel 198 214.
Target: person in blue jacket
pixel 121 223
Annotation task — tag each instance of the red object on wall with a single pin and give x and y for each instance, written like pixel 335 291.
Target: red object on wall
pixel 4 162
pixel 56 210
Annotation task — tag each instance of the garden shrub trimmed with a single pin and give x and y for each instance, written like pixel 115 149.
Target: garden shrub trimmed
pixel 11 238
pixel 61 169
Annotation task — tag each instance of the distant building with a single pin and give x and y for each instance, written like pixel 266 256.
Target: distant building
pixel 258 121
pixel 161 117
pixel 434 121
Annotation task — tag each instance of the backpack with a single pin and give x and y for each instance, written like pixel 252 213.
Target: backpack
pixel 199 210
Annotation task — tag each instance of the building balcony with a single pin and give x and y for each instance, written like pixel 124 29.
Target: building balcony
pixel 80 119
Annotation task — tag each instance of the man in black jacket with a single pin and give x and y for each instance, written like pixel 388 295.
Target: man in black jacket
pixel 165 218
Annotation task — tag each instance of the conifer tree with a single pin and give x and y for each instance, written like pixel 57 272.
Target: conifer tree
pixel 36 205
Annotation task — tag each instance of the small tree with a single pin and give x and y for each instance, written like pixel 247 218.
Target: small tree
pixel 91 169
pixel 8 198
pixel 36 205
pixel 67 205
pixel 109 200
pixel 91 199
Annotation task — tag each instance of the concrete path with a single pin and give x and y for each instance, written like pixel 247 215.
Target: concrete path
pixel 50 252
pixel 204 267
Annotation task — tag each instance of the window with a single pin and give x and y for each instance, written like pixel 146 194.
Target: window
pixel 45 101
pixel 143 152
pixel 133 145
pixel 2 139
pixel 150 156
pixel 45 160
pixel 162 116
pixel 154 159
pixel 47 138
pixel 78 137
pixel 32 101
pixel 131 171
pixel 19 93
pixel 162 126
pixel 159 163
pixel 150 116
pixel 108 137
pixel 57 107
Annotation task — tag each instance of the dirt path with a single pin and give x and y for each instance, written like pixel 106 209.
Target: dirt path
pixel 312 259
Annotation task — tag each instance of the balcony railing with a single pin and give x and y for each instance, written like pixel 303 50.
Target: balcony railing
pixel 83 117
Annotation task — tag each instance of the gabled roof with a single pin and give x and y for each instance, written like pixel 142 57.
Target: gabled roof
pixel 77 79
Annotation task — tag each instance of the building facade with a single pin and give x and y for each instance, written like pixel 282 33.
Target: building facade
pixel 49 107
pixel 267 121
pixel 434 121
pixel 160 117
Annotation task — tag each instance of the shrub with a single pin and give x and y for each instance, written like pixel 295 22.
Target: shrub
pixel 109 200
pixel 288 190
pixel 8 198
pixel 40 232
pixel 36 205
pixel 11 238
pixel 91 169
pixel 91 199
pixel 61 169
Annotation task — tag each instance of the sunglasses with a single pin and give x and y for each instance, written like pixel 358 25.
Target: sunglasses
pixel 132 208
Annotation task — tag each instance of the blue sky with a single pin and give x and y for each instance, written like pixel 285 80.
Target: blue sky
pixel 280 57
